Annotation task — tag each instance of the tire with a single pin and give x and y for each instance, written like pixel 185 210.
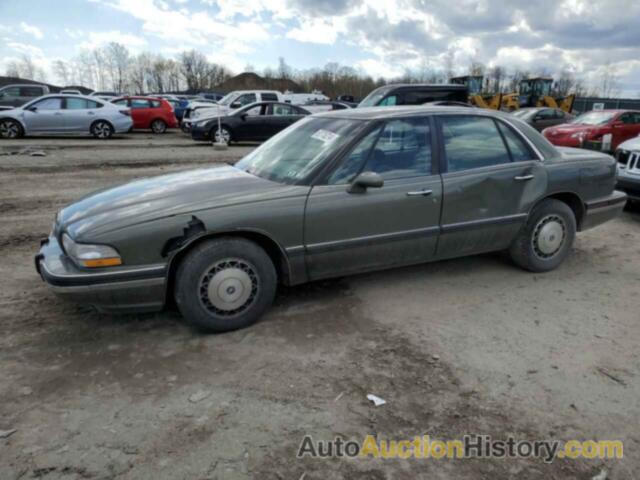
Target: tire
pixel 546 239
pixel 227 135
pixel 246 283
pixel 10 129
pixel 158 126
pixel 102 130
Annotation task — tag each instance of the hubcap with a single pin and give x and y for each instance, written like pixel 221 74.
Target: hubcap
pixel 229 287
pixel 222 136
pixel 102 130
pixel 157 127
pixel 549 236
pixel 9 130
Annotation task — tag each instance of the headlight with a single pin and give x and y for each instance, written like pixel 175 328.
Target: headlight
pixel 577 135
pixel 91 255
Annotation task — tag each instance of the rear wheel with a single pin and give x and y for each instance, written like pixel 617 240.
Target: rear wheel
pixel 158 126
pixel 10 129
pixel 221 136
pixel 102 130
pixel 225 284
pixel 546 239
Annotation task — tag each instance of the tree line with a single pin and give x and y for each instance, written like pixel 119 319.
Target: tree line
pixel 114 67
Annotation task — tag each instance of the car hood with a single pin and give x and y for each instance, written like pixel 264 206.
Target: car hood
pixel 158 197
pixel 631 144
pixel 565 128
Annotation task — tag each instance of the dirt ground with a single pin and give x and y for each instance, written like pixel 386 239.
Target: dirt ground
pixel 468 346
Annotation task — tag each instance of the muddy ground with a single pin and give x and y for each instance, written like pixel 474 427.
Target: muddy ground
pixel 473 346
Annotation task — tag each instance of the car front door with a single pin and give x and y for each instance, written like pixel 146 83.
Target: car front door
pixel 349 231
pixel 491 179
pixel 251 124
pixel 141 112
pixel 45 116
pixel 624 127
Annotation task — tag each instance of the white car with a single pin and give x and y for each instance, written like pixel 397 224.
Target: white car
pixel 628 174
pixel 65 114
pixel 70 92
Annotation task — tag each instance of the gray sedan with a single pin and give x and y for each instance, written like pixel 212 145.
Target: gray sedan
pixel 336 193
pixel 64 115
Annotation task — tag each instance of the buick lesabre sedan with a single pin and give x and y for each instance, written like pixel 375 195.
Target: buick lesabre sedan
pixel 336 193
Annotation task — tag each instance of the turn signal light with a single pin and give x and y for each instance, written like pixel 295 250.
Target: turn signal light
pixel 101 262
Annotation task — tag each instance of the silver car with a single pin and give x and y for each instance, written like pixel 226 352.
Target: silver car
pixel 65 115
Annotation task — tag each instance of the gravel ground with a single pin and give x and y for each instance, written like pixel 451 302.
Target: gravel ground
pixel 473 345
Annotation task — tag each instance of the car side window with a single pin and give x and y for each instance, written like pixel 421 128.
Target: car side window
pixel 155 103
pixel 269 97
pixel 389 101
pixel 546 114
pixel 122 102
pixel 30 92
pixel 254 111
pixel 354 161
pixel 92 104
pixel 54 103
pixel 402 150
pixel 518 149
pixel 282 110
pixel 559 113
pixel 12 92
pixel 246 99
pixel 76 104
pixel 472 142
pixel 139 103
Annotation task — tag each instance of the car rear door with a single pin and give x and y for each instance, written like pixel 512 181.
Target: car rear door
pixel 491 178
pixel 79 114
pixel 397 224
pixel 279 117
pixel 28 94
pixel 45 116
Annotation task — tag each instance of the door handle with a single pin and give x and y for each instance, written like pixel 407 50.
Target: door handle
pixel 419 193
pixel 523 178
pixel 90 113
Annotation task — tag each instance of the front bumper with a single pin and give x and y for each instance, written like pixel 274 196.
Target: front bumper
pixel 200 133
pixel 116 290
pixel 604 209
pixel 629 182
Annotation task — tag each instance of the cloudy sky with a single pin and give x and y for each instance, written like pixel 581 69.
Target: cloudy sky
pixel 379 37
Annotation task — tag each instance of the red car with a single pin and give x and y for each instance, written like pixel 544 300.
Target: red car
pixel 587 130
pixel 149 113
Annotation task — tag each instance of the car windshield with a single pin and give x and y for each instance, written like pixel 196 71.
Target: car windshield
pixel 228 99
pixel 522 113
pixel 593 118
pixel 374 97
pixel 295 152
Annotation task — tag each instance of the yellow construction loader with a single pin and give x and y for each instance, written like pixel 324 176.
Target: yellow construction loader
pixel 474 84
pixel 536 92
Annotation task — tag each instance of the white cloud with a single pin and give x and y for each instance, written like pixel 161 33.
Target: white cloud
pixel 31 30
pixel 99 39
pixel 316 31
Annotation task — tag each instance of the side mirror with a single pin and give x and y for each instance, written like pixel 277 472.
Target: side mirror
pixel 236 105
pixel 364 181
pixel 32 109
pixel 244 116
pixel 617 123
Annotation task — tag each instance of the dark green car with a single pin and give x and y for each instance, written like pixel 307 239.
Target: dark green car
pixel 337 193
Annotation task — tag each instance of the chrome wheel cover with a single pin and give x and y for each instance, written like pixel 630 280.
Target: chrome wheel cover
pixel 101 130
pixel 222 136
pixel 549 236
pixel 9 129
pixel 157 126
pixel 229 287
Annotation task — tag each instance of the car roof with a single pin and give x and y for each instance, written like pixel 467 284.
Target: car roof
pixel 613 110
pixel 380 113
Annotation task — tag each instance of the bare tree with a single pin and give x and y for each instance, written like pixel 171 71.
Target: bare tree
pixel 62 70
pixel 609 81
pixel 284 70
pixel 118 62
pixel 195 68
pixel 25 67
pixel 496 76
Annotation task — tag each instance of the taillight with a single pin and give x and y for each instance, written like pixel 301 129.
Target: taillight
pixel 126 112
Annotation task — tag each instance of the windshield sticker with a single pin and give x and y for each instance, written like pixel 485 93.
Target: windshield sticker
pixel 325 136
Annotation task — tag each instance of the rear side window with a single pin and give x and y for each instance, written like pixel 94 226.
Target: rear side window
pixel 122 102
pixel 155 103
pixel 269 97
pixel 31 92
pixel 389 101
pixel 518 149
pixel 76 104
pixel 246 99
pixel 403 150
pixel 12 92
pixel 472 142
pixel 283 110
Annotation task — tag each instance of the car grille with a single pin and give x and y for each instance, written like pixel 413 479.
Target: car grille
pixel 622 156
pixel 633 162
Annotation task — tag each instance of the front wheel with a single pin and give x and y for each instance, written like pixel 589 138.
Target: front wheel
pixel 158 126
pixel 546 239
pixel 221 136
pixel 225 284
pixel 10 129
pixel 102 130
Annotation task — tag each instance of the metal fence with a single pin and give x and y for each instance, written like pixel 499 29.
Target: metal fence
pixel 584 104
